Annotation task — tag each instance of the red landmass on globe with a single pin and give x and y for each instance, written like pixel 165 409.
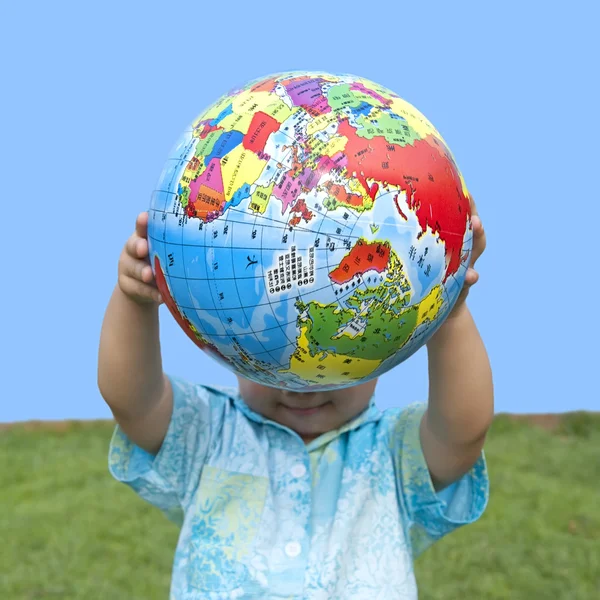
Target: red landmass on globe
pixel 300 207
pixel 342 195
pixel 204 128
pixel 362 258
pixel 259 130
pixel 426 171
pixel 184 323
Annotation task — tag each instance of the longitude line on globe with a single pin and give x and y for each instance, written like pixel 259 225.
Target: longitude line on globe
pixel 200 327
pixel 267 293
pixel 244 310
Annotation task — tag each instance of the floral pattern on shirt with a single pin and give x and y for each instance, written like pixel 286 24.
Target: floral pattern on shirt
pixel 263 515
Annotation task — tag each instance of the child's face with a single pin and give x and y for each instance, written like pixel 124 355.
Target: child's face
pixel 309 414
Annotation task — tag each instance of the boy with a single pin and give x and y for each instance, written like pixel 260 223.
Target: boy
pixel 315 496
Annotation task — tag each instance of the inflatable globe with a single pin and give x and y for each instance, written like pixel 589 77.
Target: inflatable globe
pixel 310 231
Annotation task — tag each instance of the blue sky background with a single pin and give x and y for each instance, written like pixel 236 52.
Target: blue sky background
pixel 93 96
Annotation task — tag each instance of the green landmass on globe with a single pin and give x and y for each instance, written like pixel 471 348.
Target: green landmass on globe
pixel 310 230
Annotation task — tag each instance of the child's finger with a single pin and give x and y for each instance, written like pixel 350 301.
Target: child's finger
pixel 137 247
pixel 146 274
pixel 138 269
pixel 141 225
pixel 139 289
pixel 479 241
pixel 471 277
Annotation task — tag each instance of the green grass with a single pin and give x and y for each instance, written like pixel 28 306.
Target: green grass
pixel 68 531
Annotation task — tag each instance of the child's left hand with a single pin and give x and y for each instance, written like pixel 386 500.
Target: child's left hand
pixel 479 243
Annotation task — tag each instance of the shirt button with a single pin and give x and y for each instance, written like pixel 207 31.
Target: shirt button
pixel 293 549
pixel 299 470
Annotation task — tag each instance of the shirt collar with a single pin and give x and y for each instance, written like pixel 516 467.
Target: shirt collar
pixel 370 414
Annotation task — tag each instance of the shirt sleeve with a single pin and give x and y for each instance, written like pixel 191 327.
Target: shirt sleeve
pixel 167 479
pixel 431 515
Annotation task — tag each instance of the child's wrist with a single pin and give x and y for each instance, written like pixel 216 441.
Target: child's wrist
pixel 455 323
pixel 460 311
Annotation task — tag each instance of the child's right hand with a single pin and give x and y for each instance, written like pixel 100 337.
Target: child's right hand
pixel 136 279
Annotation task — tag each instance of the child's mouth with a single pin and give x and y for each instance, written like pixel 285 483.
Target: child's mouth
pixel 307 411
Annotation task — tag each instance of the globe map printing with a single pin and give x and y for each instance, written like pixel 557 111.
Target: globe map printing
pixel 310 231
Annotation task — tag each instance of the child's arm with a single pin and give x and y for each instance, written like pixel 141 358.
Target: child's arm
pixel 130 374
pixel 461 398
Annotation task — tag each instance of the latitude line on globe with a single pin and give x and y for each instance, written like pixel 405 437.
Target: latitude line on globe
pixel 279 222
pixel 304 229
pixel 263 352
pixel 335 236
pixel 251 306
pixel 260 331
pixel 231 278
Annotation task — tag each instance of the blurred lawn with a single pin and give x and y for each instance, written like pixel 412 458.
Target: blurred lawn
pixel 69 531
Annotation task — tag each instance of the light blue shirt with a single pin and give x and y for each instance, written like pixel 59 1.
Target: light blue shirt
pixel 263 515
